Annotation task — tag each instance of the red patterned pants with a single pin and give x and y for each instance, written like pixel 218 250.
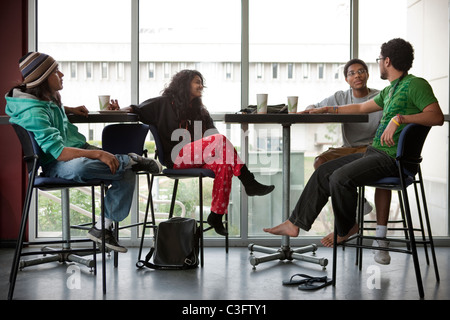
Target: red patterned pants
pixel 216 153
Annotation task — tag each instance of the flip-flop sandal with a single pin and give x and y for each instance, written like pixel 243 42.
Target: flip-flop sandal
pixel 309 283
pixel 291 281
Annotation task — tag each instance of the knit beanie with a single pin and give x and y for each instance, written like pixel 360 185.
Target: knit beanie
pixel 35 68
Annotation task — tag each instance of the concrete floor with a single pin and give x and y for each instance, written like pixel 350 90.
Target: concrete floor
pixel 230 277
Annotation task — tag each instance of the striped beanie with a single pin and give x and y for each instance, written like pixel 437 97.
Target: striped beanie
pixel 35 68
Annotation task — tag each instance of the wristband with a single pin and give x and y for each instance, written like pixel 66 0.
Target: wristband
pixel 398 124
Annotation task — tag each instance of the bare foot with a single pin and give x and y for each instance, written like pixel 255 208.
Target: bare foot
pixel 328 240
pixel 287 228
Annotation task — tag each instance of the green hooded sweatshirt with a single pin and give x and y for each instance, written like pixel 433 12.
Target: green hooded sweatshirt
pixel 49 123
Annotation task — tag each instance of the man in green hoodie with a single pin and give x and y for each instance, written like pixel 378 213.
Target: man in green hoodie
pixel 36 106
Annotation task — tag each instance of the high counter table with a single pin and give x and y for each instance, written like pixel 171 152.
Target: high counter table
pixel 106 117
pixel 286 120
pixel 93 117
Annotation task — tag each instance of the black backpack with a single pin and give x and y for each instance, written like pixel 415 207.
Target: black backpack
pixel 176 245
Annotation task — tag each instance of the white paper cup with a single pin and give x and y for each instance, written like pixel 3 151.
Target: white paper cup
pixel 292 104
pixel 103 102
pixel 261 102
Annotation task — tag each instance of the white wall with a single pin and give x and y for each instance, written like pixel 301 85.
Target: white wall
pixel 428 31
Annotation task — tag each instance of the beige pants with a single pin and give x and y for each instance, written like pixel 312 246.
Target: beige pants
pixel 334 153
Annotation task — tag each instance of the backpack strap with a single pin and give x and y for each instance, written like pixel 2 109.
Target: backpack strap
pixel 145 263
pixel 188 264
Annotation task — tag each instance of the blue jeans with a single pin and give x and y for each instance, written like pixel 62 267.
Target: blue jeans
pixel 340 179
pixel 120 192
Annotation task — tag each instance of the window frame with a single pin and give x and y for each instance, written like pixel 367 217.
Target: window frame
pixel 245 78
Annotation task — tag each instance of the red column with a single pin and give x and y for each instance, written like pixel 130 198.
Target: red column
pixel 14 39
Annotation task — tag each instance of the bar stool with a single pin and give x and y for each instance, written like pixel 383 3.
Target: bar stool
pixel 31 153
pixel 178 174
pixel 124 138
pixel 408 160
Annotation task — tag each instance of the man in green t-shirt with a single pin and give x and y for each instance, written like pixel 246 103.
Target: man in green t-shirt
pixel 408 99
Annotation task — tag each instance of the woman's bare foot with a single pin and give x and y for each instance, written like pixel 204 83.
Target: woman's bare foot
pixel 328 240
pixel 287 228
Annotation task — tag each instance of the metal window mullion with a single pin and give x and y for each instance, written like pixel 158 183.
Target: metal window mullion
pixel 134 210
pixel 135 51
pixel 244 102
pixel 32 25
pixel 354 29
pixel 245 53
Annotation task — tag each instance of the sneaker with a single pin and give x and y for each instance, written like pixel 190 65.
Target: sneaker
pixel 367 207
pixel 145 164
pixel 381 256
pixel 110 241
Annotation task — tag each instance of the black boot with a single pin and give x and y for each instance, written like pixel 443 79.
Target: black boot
pixel 215 221
pixel 253 187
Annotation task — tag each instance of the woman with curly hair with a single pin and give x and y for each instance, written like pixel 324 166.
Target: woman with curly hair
pixel 179 113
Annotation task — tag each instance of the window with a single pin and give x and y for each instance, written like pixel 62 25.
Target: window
pixel 151 70
pixel 167 70
pixel 321 71
pixel 182 66
pixel 88 70
pixel 290 71
pixel 274 71
pixel 371 39
pixel 179 34
pixel 120 70
pixel 336 71
pixel 83 47
pixel 305 71
pixel 88 44
pixel 203 35
pixel 289 41
pixel 73 70
pixel 104 69
pixel 259 71
pixel 228 71
pixel 294 55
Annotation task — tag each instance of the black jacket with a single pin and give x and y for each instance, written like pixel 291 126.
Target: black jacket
pixel 161 113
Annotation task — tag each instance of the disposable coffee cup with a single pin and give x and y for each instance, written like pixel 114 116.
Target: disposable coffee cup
pixel 261 102
pixel 103 102
pixel 292 104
